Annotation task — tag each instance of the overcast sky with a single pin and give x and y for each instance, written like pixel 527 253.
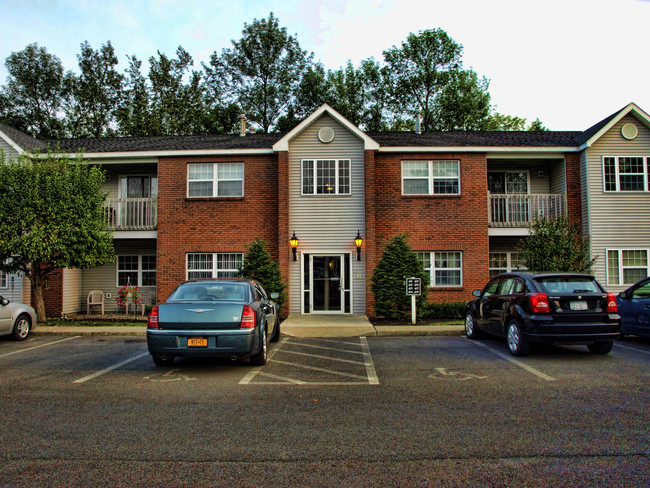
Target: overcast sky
pixel 570 62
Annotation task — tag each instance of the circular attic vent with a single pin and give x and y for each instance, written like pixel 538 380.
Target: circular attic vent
pixel 326 135
pixel 629 131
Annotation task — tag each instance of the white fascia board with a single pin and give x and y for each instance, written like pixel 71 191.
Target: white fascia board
pixel 632 107
pixel 474 149
pixel 369 144
pixel 508 231
pixel 11 142
pixel 154 155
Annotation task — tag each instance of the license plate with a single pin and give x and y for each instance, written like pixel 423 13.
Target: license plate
pixel 578 306
pixel 197 342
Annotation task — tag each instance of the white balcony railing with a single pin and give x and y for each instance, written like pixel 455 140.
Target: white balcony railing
pixel 519 210
pixel 131 213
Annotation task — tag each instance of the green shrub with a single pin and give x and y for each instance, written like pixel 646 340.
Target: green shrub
pixel 260 266
pixel 446 310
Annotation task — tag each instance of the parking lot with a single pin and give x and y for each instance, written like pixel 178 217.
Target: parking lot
pixel 382 409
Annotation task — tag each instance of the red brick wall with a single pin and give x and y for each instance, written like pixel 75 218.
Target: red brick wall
pixel 53 294
pixel 283 225
pixel 207 225
pixel 436 223
pixel 574 201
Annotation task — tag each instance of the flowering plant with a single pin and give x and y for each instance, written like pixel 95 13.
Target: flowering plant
pixel 128 293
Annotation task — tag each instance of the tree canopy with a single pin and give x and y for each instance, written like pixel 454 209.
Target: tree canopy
pixel 265 75
pixel 51 216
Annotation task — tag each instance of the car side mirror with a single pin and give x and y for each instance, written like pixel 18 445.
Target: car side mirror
pixel 476 293
pixel 623 295
pixel 275 295
pixel 4 302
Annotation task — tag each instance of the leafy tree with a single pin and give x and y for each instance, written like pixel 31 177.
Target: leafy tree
pixel 464 102
pixel 260 266
pixel 34 96
pixel 96 93
pixel 537 126
pixel 347 95
pixel 134 114
pixel 497 121
pixel 51 216
pixel 397 263
pixel 261 71
pixel 555 246
pixel 418 71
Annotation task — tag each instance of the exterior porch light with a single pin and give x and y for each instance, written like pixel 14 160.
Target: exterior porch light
pixel 294 244
pixel 358 241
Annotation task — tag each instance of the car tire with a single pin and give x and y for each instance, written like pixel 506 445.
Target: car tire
pixel 471 330
pixel 602 347
pixel 162 360
pixel 276 333
pixel 517 344
pixel 22 326
pixel 259 359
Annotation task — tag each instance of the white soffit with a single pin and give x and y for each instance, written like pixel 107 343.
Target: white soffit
pixel 369 144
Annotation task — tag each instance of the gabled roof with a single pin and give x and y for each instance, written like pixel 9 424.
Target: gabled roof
pixel 591 135
pixel 283 143
pixel 19 140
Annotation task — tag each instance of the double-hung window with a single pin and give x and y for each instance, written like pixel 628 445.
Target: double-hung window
pixel 626 173
pixel 325 177
pixel 136 270
pixel 3 279
pixel 215 180
pixel 441 177
pixel 627 266
pixel 214 265
pixel 503 262
pixel 444 267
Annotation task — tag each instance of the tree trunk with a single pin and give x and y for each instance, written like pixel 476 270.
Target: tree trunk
pixel 39 306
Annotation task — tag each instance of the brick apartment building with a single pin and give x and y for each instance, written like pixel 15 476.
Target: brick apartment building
pixel 188 206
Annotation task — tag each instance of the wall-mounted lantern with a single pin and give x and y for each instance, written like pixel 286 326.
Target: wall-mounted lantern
pixel 358 241
pixel 294 244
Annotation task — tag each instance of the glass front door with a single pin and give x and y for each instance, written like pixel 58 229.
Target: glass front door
pixel 327 283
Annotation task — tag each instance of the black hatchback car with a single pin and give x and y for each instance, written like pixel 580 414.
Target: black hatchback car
pixel 525 308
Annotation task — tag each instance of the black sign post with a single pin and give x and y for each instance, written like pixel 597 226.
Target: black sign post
pixel 413 288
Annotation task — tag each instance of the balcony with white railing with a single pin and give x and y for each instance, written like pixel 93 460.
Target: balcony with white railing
pixel 131 214
pixel 519 210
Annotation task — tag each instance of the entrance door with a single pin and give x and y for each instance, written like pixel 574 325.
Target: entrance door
pixel 328 278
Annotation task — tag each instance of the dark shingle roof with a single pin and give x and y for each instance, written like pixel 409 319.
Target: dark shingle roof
pixel 25 141
pixel 477 139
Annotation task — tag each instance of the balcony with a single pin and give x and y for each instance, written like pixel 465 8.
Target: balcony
pixel 131 213
pixel 519 210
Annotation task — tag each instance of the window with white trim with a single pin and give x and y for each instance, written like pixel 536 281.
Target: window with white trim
pixel 215 180
pixel 627 266
pixel 431 177
pixel 136 270
pixel 3 280
pixel 626 173
pixel 326 177
pixel 504 262
pixel 214 265
pixel 444 267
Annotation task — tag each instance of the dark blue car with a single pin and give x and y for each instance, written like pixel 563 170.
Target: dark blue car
pixel 634 309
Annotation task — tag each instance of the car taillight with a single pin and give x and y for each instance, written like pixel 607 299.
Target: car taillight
pixel 247 318
pixel 539 302
pixel 152 320
pixel 612 307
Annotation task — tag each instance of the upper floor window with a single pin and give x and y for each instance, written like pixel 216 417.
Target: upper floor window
pixel 3 279
pixel 627 266
pixel 136 270
pixel 214 265
pixel 215 180
pixel 626 173
pixel 431 177
pixel 444 267
pixel 326 177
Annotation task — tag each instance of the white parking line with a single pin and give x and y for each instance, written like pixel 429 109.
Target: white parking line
pixel 631 348
pixel 322 370
pixel 530 369
pixel 370 366
pixel 110 368
pixel 318 356
pixel 38 347
pixel 251 374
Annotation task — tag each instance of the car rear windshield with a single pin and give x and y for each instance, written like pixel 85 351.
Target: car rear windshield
pixel 210 292
pixel 568 285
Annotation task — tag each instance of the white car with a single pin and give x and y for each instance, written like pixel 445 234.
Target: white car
pixel 16 319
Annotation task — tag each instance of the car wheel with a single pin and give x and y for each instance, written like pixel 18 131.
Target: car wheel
pixel 517 344
pixel 600 347
pixel 162 360
pixel 471 330
pixel 22 327
pixel 259 359
pixel 276 334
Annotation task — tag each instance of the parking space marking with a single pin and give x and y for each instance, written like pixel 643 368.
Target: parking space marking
pixel 370 366
pixel 253 372
pixel 38 347
pixel 632 349
pixel 318 356
pixel 530 369
pixel 321 370
pixel 110 368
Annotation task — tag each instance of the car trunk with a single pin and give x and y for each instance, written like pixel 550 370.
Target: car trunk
pixel 200 315
pixel 575 299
